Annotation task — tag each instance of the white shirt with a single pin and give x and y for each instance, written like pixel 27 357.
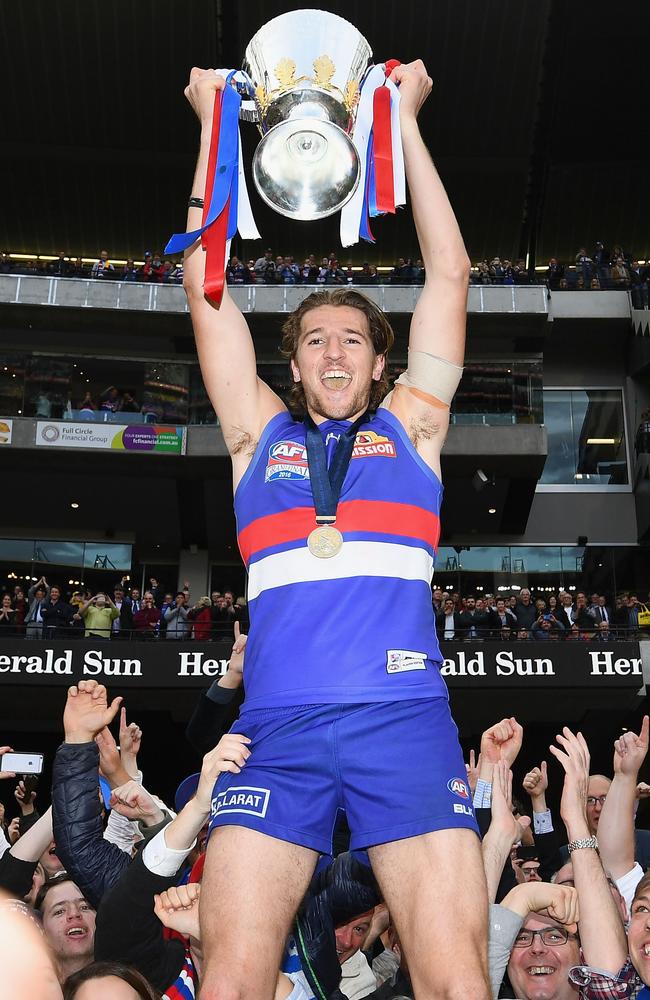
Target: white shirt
pixel 450 626
pixel 357 979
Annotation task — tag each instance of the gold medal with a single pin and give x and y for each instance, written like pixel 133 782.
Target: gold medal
pixel 325 541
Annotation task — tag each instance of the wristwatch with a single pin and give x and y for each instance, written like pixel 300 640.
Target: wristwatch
pixel 577 845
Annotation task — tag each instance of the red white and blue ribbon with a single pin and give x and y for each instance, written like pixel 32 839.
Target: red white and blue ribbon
pixel 377 138
pixel 227 206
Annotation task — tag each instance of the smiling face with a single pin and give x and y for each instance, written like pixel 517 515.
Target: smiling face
pixel 336 362
pixel 350 936
pixel 68 922
pixel 638 935
pixel 541 971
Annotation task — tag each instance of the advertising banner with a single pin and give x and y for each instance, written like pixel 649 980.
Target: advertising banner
pixel 6 430
pixel 167 663
pixel 138 438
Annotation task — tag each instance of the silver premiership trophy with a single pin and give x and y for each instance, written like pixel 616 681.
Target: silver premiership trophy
pixel 306 68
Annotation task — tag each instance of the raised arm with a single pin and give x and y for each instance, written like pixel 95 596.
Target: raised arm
pixel 439 318
pixel 602 935
pixel 616 833
pixel 242 402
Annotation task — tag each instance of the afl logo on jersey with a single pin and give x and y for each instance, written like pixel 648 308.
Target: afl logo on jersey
pixel 287 460
pixel 368 443
pixel 458 787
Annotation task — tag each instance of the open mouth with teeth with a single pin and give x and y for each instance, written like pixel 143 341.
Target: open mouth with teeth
pixel 76 932
pixel 541 970
pixel 336 378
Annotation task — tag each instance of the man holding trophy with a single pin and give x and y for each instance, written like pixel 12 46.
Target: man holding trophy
pixel 338 524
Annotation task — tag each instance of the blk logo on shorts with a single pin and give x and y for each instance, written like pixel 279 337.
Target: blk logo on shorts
pixel 244 799
pixel 458 787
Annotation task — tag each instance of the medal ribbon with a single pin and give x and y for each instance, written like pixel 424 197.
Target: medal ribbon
pixel 326 483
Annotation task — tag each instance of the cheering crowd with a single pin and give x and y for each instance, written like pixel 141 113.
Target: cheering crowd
pixel 47 612
pixel 101 890
pixel 600 268
pixel 125 613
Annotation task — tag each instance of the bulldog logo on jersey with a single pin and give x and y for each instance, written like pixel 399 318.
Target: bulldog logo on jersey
pixel 368 443
pixel 287 460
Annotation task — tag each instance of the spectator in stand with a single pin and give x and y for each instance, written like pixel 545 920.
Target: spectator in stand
pixel 309 271
pixel 200 617
pixel 620 274
pixel 397 274
pixel 264 268
pixel 508 273
pixel 103 267
pixel 153 269
pixel 554 274
pixel 176 623
pixel 449 624
pixel 507 618
pixel 130 272
pixel 110 399
pixel 20 607
pixel 546 627
pixel 496 271
pixel 147 620
pixel 61 267
pixel 7 617
pixel 585 265
pixel 123 624
pixel 56 614
pixel 237 273
pixel 36 595
pixel 79 270
pixel 103 979
pixel 334 275
pixel 525 611
pixel 601 258
pixel 87 404
pixel 98 614
pixel 176 274
pixel 473 620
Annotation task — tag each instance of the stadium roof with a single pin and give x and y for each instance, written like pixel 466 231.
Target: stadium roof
pixel 536 121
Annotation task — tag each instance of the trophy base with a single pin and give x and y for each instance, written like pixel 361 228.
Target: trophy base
pixel 306 168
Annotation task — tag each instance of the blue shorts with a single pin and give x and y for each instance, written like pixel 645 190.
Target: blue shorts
pixel 395 768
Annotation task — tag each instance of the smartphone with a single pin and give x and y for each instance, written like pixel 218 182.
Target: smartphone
pixel 22 763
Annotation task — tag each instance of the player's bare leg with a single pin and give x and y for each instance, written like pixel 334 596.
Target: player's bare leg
pixel 252 887
pixel 434 886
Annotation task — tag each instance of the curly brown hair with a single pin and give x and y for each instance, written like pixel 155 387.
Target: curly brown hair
pixel 381 335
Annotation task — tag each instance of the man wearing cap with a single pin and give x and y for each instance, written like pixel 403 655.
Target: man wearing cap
pixel 338 524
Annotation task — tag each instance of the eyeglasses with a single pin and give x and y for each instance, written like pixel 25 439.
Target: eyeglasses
pixel 550 936
pixel 593 799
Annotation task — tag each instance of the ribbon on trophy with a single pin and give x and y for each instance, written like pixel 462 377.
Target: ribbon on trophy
pixel 377 138
pixel 227 207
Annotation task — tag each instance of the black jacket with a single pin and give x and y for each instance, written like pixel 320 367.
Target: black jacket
pixel 440 625
pixel 94 863
pixel 57 615
pixel 339 891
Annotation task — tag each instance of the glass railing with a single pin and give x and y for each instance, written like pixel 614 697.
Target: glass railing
pixel 108 390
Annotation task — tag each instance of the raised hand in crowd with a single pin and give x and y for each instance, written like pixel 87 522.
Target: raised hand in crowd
pixel 472 769
pixel 178 909
pixel 559 902
pixel 536 784
pixel 5 774
pixel 643 790
pixel 504 831
pixel 24 799
pixel 501 741
pixel 602 936
pixel 616 836
pixel 130 743
pixel 87 711
pixel 135 803
pixel 13 830
pixel 234 675
pixel 110 761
